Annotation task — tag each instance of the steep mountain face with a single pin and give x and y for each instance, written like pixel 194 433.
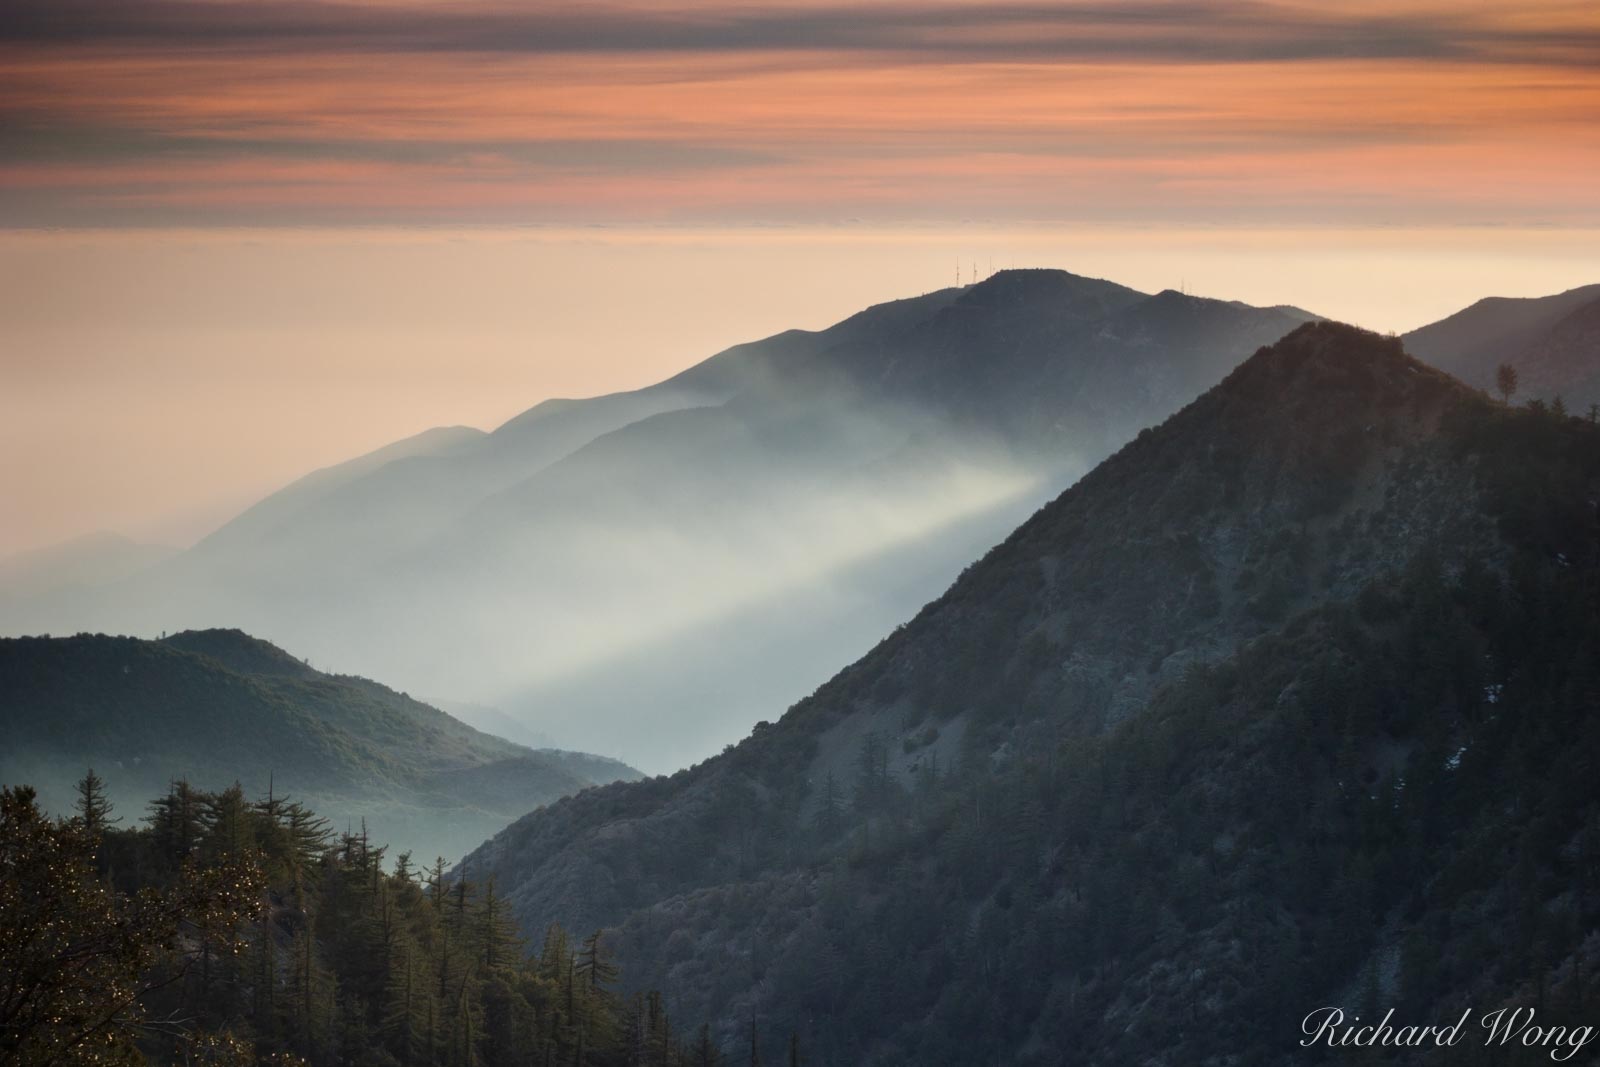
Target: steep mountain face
pixel 717 543
pixel 1252 720
pixel 219 706
pixel 1553 341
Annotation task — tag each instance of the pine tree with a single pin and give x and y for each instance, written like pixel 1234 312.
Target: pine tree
pixel 310 835
pixel 1505 380
pixel 496 933
pixel 271 806
pixel 404 1022
pixel 175 821
pixel 228 831
pixel 265 983
pixel 593 969
pixel 434 880
pixel 379 936
pixel 705 1053
pixel 92 806
pixel 463 1029
pixel 553 954
pixel 459 895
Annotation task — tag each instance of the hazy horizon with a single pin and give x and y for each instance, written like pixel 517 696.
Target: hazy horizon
pixel 239 242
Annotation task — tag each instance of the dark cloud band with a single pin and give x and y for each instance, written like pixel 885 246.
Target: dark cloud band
pixel 1201 31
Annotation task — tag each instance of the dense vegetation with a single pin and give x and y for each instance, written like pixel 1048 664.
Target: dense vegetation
pixel 1387 803
pixel 218 706
pixel 225 931
pixel 1391 806
pixel 1291 703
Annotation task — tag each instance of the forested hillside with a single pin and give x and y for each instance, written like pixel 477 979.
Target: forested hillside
pixel 232 932
pixel 1291 702
pixel 219 706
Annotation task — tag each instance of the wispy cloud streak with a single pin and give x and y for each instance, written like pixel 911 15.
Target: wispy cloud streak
pixel 1188 31
pixel 217 111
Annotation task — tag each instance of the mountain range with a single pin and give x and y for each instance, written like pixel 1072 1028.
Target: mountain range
pixel 217 706
pixel 1293 701
pixel 620 573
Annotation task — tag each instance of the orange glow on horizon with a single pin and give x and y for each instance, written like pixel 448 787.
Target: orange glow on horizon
pixel 358 219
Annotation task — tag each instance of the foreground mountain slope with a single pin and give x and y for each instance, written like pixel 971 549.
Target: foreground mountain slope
pixel 219 706
pixel 1223 734
pixel 1553 341
pixel 705 522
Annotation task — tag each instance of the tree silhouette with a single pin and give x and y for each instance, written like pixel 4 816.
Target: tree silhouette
pixel 1505 380
pixel 79 958
pixel 92 805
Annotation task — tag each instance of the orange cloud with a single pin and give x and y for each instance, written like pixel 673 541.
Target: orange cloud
pixel 205 112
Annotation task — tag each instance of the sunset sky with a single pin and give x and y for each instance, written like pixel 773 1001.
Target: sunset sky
pixel 243 238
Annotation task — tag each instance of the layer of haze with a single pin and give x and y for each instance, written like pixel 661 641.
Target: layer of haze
pixel 154 384
pixel 560 200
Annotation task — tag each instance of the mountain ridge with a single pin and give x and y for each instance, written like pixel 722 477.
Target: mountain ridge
pixel 1280 504
pixel 218 706
pixel 1544 338
pixel 489 571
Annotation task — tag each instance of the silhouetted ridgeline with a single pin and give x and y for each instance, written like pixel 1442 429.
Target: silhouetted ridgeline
pixel 591 563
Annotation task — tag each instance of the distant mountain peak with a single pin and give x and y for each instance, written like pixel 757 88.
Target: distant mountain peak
pixel 1037 283
pixel 878 454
